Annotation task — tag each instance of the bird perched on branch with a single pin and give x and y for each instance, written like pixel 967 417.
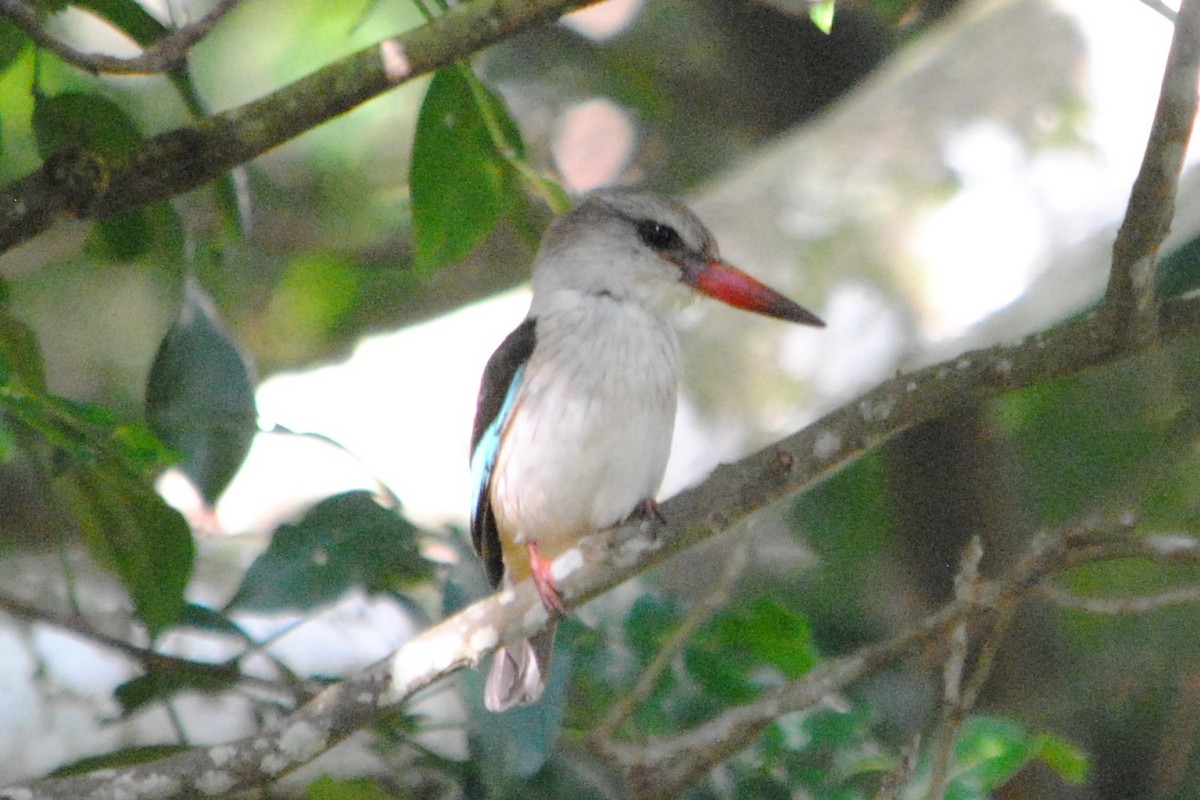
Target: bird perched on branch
pixel 577 406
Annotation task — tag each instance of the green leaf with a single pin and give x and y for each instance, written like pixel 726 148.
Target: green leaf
pixel 170 678
pixel 343 542
pixel 649 621
pixel 130 530
pixel 736 643
pixel 125 757
pixel 990 751
pixel 1066 759
pixel 462 176
pixel 19 352
pixel 106 472
pixel 127 236
pixel 200 396
pixel 821 14
pixel 327 788
pixel 90 122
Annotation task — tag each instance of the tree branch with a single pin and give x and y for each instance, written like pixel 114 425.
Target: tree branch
pixel 661 768
pixel 158 57
pixel 1130 299
pixel 84 185
pixel 600 562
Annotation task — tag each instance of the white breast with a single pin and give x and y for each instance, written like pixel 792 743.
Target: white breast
pixel 591 430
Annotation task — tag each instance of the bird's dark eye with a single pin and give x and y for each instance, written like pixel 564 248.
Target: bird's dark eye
pixel 658 236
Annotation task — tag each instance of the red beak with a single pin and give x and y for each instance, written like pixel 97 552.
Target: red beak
pixel 733 287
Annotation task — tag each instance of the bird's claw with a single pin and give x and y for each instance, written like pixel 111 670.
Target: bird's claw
pixel 646 510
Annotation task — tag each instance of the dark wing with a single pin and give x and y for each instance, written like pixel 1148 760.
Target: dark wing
pixel 497 395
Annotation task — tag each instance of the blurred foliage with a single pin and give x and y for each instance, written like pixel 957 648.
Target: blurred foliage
pixel 346 541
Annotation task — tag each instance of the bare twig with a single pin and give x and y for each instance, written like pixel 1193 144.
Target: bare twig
pixel 147 659
pixel 893 783
pixel 676 641
pixel 1187 595
pixel 1162 8
pixel 1130 301
pixel 954 709
pixel 665 767
pixel 158 57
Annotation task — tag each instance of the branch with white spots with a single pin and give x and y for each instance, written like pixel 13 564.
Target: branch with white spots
pixel 600 562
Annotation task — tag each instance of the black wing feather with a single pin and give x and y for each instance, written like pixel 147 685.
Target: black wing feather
pixel 512 354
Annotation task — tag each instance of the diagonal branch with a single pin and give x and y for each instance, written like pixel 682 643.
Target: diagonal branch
pixel 600 562
pixel 160 56
pixel 83 185
pixel 1130 301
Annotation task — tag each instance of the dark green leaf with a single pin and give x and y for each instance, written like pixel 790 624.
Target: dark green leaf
pixel 130 530
pixel 206 619
pixel 648 623
pixel 89 122
pixel 129 16
pixel 12 43
pixel 167 680
pixel 345 541
pixel 125 757
pixel 106 469
pixel 200 396
pixel 727 652
pixel 127 236
pixel 462 180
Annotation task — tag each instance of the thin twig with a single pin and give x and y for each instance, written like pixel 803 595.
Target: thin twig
pixel 1162 8
pixel 664 767
pixel 954 710
pixel 149 660
pixel 1121 605
pixel 678 639
pixel 160 56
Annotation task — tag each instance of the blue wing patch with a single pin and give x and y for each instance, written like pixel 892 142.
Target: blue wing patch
pixel 497 397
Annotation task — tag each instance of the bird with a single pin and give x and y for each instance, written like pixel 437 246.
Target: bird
pixel 576 407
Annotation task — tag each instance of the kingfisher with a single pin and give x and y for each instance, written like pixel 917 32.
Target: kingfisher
pixel 577 406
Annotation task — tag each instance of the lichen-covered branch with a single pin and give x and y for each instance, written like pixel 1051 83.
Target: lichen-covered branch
pixel 600 562
pixel 82 184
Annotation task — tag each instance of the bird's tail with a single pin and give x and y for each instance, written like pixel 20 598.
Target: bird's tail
pixel 519 672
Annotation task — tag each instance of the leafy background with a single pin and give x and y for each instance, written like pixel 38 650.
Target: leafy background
pixel 137 342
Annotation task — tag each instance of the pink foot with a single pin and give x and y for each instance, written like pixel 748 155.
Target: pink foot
pixel 646 509
pixel 539 569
